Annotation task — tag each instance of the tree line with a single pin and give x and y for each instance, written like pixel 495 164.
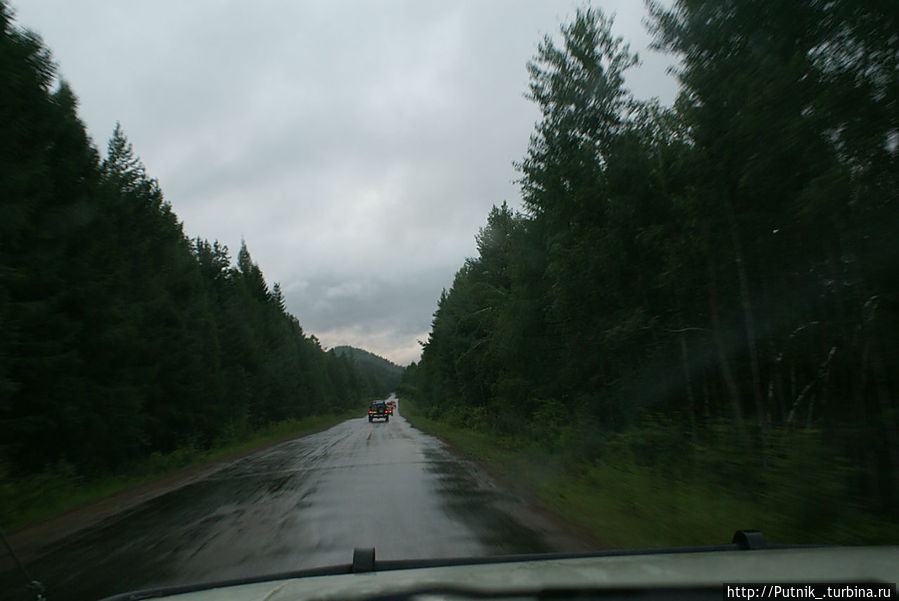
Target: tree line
pixel 384 375
pixel 119 335
pixel 727 265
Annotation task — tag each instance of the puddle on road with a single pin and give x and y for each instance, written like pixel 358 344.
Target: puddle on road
pixel 151 544
pixel 486 511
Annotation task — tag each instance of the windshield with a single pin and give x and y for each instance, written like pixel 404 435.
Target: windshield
pixel 282 280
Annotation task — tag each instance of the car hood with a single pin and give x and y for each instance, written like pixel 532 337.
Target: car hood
pixel 654 571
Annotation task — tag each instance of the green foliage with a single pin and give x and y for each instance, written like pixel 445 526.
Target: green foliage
pixel 704 294
pixel 33 497
pixel 629 495
pixel 381 375
pixel 122 341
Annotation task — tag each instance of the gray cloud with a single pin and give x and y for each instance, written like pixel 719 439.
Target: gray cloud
pixel 356 146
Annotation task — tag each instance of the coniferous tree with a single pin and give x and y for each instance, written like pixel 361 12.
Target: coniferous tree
pixel 120 337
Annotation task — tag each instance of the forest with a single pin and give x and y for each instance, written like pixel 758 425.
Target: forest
pixel 120 337
pixel 709 290
pixel 383 375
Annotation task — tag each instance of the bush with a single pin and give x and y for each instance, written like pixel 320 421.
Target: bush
pixel 805 484
pixel 551 423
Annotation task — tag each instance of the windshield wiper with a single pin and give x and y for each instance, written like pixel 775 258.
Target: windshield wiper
pixel 34 585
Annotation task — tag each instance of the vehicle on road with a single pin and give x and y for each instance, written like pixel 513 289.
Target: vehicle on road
pixel 391 405
pixel 378 410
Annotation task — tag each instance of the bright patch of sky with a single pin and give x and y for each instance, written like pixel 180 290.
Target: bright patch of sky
pixel 357 146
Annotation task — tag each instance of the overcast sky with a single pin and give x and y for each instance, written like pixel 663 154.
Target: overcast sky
pixel 357 147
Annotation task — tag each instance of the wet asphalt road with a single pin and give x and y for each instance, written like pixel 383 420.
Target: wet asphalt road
pixel 305 503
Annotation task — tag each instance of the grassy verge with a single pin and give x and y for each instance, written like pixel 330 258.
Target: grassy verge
pixel 522 465
pixel 30 500
pixel 625 499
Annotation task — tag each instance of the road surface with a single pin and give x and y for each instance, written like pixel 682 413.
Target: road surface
pixel 305 503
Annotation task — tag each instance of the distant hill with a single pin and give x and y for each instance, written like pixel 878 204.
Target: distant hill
pixel 383 376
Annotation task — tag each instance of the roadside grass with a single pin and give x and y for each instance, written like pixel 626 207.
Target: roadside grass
pixel 27 501
pixel 637 506
pixel 633 508
pixel 623 500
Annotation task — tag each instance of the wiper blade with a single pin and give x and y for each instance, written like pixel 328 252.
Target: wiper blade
pixel 34 585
